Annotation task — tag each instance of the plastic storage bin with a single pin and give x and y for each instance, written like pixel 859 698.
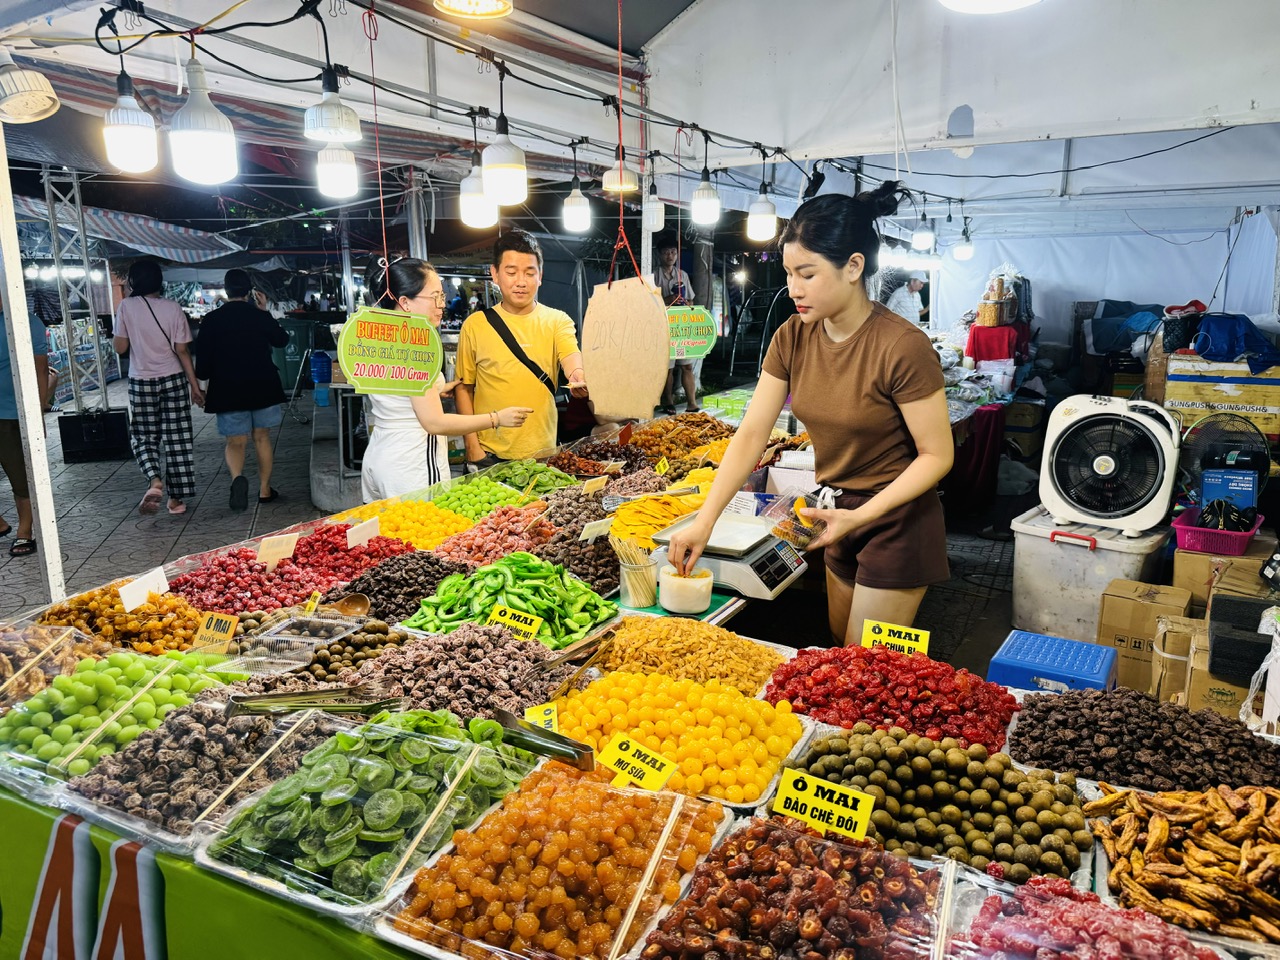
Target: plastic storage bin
pixel 1224 543
pixel 1033 661
pixel 1060 573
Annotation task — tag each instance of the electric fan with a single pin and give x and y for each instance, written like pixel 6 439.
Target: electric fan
pixel 1222 441
pixel 1109 462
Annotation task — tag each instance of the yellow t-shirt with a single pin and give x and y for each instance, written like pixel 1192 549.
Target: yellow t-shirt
pixel 547 337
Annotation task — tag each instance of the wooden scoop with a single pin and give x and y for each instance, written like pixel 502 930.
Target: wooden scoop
pixel 352 605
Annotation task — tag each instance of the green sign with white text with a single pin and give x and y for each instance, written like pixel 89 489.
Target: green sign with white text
pixel 693 332
pixel 390 352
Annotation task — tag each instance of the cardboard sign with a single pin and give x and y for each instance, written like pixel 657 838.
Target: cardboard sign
pixel 134 593
pixel 624 435
pixel 877 633
pixel 215 628
pixel 597 528
pixel 693 332
pixel 390 352
pixel 523 625
pixel 362 533
pixel 635 763
pixel 595 484
pixel 662 467
pixel 274 549
pixel 544 715
pixel 824 805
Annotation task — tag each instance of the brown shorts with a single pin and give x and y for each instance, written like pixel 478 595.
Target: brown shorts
pixel 904 549
pixel 11 459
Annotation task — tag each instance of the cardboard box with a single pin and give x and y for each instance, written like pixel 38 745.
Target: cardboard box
pixel 1029 441
pixel 1024 413
pixel 1170 654
pixel 1206 690
pixel 1195 388
pixel 782 479
pixel 1195 571
pixel 1237 602
pixel 1127 621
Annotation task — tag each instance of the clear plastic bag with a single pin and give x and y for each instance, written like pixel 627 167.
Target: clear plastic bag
pixel 32 655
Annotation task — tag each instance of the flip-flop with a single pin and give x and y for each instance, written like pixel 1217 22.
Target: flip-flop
pixel 271 498
pixel 239 494
pixel 22 547
pixel 150 502
pixel 8 529
pixel 669 411
pixel 181 508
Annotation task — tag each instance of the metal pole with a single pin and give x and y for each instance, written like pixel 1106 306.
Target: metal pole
pixel 417 217
pixel 30 415
pixel 348 281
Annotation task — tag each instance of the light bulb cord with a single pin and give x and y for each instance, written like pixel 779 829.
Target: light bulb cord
pixel 369 20
pixel 622 242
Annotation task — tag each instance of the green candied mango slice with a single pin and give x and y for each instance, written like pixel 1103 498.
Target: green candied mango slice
pixel 415 810
pixel 373 774
pixel 416 751
pixel 312 757
pixel 383 809
pixel 335 854
pixel 488 770
pixel 347 832
pixel 340 791
pixel 332 818
pixel 349 878
pixel 285 791
pixel 379 869
pixel 382 836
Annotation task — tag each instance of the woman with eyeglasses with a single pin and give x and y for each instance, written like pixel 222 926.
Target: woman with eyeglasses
pixel 407 450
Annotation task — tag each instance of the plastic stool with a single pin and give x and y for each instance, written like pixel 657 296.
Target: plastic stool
pixel 1033 661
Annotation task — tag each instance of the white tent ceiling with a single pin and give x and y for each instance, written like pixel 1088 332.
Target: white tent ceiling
pixel 1063 84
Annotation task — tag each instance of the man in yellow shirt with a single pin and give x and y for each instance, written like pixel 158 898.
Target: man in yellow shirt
pixel 490 373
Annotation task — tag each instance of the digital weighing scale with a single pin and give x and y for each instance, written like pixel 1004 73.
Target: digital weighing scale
pixel 742 555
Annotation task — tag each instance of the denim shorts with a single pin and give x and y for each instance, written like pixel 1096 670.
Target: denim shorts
pixel 238 423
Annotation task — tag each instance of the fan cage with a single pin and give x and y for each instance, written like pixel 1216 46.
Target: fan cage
pixel 1132 444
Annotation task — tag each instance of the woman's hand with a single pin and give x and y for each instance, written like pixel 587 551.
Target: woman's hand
pixel 687 545
pixel 448 388
pixel 513 416
pixel 197 395
pixel 840 523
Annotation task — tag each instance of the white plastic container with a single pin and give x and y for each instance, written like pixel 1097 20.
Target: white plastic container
pixel 1060 572
pixel 691 594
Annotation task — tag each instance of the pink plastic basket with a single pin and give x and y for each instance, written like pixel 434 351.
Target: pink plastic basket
pixel 1224 543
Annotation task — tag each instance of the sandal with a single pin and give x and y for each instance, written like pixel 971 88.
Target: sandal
pixel 689 409
pixel 239 494
pixel 669 411
pixel 271 497
pixel 8 529
pixel 150 502
pixel 22 547
pixel 180 509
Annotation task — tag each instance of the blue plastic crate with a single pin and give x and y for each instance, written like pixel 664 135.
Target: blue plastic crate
pixel 1033 661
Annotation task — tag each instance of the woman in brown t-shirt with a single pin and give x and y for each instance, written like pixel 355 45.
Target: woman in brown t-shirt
pixel 868 387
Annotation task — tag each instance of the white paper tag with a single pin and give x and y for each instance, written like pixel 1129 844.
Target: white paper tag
pixel 597 528
pixel 594 485
pixel 274 549
pixel 362 533
pixel 134 593
pixel 743 505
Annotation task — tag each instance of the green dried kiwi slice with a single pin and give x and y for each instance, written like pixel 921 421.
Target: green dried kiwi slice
pixel 348 831
pixel 348 740
pixel 414 812
pixel 285 791
pixel 306 865
pixel 312 757
pixel 402 781
pixel 349 878
pixel 416 751
pixel 461 810
pixel 373 774
pixel 335 854
pixel 478 793
pixel 488 770
pixel 382 836
pixel 340 791
pixel 422 785
pixel 379 868
pixel 398 760
pixel 255 840
pixel 311 843
pixel 332 818
pixel 223 845
pixel 383 809
pixel 378 738
pixel 279 826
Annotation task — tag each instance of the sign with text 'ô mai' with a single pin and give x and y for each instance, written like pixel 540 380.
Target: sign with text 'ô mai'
pixel 390 352
pixel 693 332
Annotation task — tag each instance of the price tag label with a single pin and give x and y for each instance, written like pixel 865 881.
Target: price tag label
pixel 544 715
pixel 624 435
pixel 523 625
pixel 313 601
pixel 134 593
pixel 215 628
pixel 362 533
pixel 596 528
pixel 635 763
pixel 614 467
pixel 594 485
pixel 877 633
pixel 827 806
pixel 274 549
pixel 662 467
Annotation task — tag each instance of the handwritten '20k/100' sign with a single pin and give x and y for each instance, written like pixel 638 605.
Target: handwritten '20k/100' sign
pixel 390 352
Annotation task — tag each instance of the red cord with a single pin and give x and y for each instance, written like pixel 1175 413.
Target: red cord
pixel 622 242
pixel 370 21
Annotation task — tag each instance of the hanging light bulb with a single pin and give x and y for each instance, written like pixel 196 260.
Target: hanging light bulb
pixel 129 132
pixel 25 95
pixel 922 238
pixel 705 205
pixel 984 6
pixel 476 9
pixel 577 208
pixel 620 178
pixel 655 211
pixel 336 172
pixel 201 139
pixel 476 208
pixel 964 249
pixel 505 176
pixel 331 120
pixel 762 215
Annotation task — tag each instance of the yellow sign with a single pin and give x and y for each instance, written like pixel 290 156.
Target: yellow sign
pixel 635 763
pixel 594 485
pixel 523 625
pixel 827 806
pixel 544 715
pixel 313 601
pixel 274 549
pixel 215 628
pixel 877 633
pixel 662 467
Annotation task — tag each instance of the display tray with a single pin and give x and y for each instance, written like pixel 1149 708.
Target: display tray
pixel 732 536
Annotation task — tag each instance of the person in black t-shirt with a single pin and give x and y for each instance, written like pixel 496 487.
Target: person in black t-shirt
pixel 233 353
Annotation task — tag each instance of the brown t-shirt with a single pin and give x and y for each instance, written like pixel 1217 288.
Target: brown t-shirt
pixel 847 394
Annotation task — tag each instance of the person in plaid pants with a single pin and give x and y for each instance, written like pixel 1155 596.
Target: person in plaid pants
pixel 156 335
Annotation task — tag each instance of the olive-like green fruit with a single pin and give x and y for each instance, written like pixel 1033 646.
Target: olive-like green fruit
pixel 1073 820
pixel 973 836
pixel 1011 778
pixel 859 782
pixel 938 775
pixel 884 766
pixel 1041 800
pixel 909 795
pixel 983 821
pixel 957 761
pixel 999 807
pixel 975 770
pixel 862 727
pixel 891 803
pixel 935 818
pixel 1082 839
pixel 1071 856
pixel 994 767
pixel 1062 833
pixel 1028 853
pixel 1052 844
pixel 989 784
pixel 937 757
pixel 895 754
pixel 1064 794
pixel 979 863
pixel 960 798
pixel 1051 862
pixel 878 778
pixel 1059 808
pixel 1002 832
pixel 982 848
pixel 979 799
pixel 948 744
pixel 959 854
pixel 951 814
pixel 1068 780
pixel 892 845
pixel 872 752
pixel 1004 851
pixel 1048 820
pixel 1024 814
pixel 924 794
pixel 1018 873
pixel 966 784
pixel 921 765
pixel 906 830
pixel 882 820
pixel 863 765
pixel 876 792
pixel 1031 831
pixel 893 787
pixel 925 830
pixel 978 752
pixel 943 792
pixel 903 774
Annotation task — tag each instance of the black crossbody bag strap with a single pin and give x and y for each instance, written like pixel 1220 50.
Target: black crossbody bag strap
pixel 509 339
pixel 163 333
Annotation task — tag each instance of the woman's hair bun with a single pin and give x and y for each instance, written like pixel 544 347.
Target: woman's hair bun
pixel 884 200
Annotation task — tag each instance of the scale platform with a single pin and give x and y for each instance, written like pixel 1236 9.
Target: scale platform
pixel 743 555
